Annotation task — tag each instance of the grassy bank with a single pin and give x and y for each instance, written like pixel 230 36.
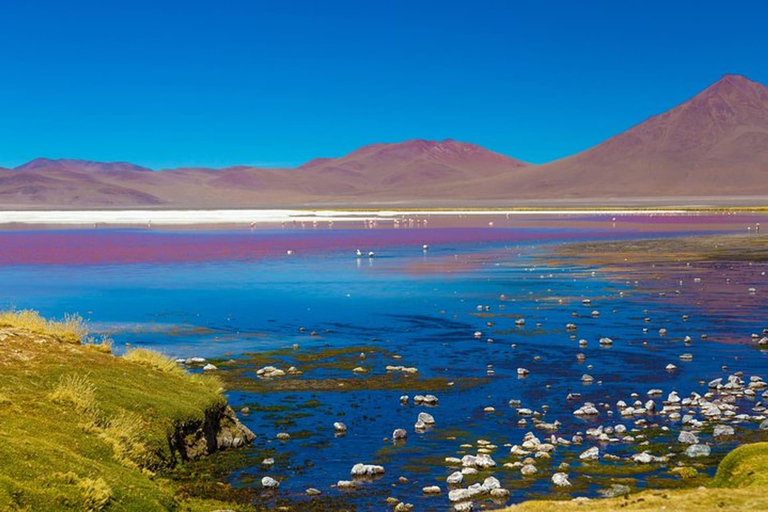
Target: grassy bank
pixel 740 484
pixel 82 429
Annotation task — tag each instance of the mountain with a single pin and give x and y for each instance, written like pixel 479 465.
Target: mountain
pixel 83 165
pixel 414 163
pixel 714 144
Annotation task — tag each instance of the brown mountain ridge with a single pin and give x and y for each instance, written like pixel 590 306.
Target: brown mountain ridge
pixel 715 144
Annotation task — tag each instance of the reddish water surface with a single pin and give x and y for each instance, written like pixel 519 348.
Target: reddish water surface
pixel 117 246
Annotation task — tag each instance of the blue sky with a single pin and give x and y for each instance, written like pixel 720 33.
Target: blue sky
pixel 168 83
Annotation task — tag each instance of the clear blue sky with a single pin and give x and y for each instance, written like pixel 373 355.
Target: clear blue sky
pixel 166 83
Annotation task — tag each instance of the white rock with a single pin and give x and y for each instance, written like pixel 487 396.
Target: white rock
pixel 269 483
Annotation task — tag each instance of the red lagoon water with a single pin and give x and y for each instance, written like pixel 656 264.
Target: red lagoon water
pixel 117 246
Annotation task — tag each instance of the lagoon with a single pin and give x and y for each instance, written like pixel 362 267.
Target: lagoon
pixel 237 298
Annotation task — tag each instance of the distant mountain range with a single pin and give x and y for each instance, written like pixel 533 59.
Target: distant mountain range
pixel 714 145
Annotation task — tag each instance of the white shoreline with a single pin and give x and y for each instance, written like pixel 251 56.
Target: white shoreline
pixel 201 217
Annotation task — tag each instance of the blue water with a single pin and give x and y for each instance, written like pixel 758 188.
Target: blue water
pixel 423 307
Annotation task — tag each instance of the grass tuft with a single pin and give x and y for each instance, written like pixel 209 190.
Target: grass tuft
pixel 155 360
pixel 104 344
pixel 96 494
pixel 78 391
pixel 124 434
pixel 72 329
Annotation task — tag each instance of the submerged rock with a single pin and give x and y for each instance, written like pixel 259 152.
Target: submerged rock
pixel 698 450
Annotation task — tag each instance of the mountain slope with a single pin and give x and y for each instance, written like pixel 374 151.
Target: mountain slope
pixel 714 144
pixel 419 163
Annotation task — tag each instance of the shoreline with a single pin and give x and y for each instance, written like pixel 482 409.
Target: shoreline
pixel 219 217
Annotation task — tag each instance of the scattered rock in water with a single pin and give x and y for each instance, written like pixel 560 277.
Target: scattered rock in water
pixel 431 490
pixel 481 461
pixel 528 470
pixel 270 372
pixel 361 470
pixel 587 379
pixel 269 483
pixel 561 480
pixel 686 437
pixel 283 436
pixel 723 430
pixel 455 478
pixel 405 370
pixel 313 492
pixel 426 418
pixel 209 368
pixel 522 372
pixel 606 342
pixel 590 454
pixel 698 450
pixel 339 427
pixel 269 461
pixel 345 484
pixel 399 434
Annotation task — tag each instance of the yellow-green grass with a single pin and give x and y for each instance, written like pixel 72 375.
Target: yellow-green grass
pixel 740 484
pixel 82 429
pixel 71 329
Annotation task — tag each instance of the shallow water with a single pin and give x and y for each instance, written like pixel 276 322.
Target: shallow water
pixel 223 295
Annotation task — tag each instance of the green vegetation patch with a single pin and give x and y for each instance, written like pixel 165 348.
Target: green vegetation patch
pixel 82 429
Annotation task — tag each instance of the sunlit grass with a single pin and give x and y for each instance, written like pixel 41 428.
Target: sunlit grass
pixel 72 329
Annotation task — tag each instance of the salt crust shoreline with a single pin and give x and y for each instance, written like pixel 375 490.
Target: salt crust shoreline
pixel 201 217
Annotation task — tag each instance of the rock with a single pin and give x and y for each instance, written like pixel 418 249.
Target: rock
pixel 361 470
pixel 269 461
pixel 686 437
pixel 723 430
pixel 345 484
pixel 283 436
pixel 431 490
pixel 590 454
pixel 698 450
pixel 615 490
pixel 499 494
pixel 426 418
pixel 339 427
pixel 403 507
pixel 269 483
pixel 491 483
pixel 587 378
pixel 764 425
pixel 465 494
pixel 643 458
pixel 209 368
pixel 528 469
pixel 522 372
pixel 313 492
pixel 606 342
pixel 455 478
pixel 561 480
pixel 481 461
pixel 270 372
pixel 399 434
